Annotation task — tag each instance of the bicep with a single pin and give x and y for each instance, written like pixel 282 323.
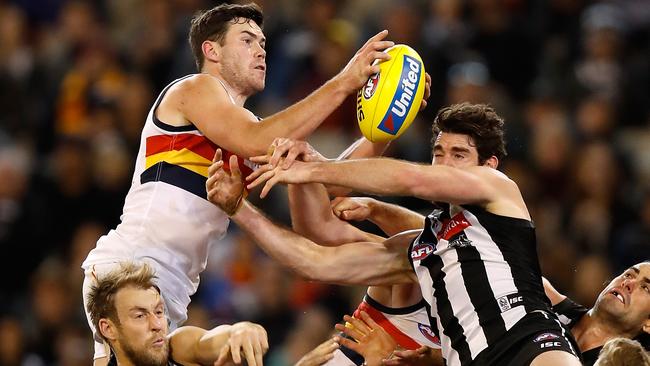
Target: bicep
pixel 222 122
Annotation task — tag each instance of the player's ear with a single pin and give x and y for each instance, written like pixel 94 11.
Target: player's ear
pixel 492 162
pixel 211 50
pixel 107 329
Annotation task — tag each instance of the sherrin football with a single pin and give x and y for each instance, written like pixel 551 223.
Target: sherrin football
pixel 391 99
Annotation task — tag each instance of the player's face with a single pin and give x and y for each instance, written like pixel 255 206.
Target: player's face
pixel 454 149
pixel 627 299
pixel 243 57
pixel 142 333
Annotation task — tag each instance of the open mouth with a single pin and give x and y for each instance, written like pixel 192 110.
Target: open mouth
pixel 260 67
pixel 618 295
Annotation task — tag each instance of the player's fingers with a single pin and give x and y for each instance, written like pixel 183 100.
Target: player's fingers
pixel 257 351
pixel 378 55
pixel 348 343
pixel 265 340
pixel 235 354
pixel 260 159
pixel 249 353
pixel 223 356
pixel 267 187
pixel 280 151
pixel 369 321
pixel 377 37
pixel 217 155
pixel 214 167
pixel 261 178
pixel 358 324
pixel 380 45
pixel 349 331
pixel 234 167
pixel 291 157
pixel 258 172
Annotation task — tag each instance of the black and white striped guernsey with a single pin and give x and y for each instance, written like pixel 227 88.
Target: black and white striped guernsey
pixel 480 275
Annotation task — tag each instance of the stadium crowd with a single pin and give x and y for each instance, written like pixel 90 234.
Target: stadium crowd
pixel 77 78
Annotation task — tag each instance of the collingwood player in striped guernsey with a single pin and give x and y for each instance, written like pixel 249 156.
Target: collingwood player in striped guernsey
pixel 475 261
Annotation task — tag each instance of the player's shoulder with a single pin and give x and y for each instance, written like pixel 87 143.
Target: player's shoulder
pixel 199 86
pixel 492 175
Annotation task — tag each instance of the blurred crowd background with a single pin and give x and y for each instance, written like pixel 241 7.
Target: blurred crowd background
pixel 77 78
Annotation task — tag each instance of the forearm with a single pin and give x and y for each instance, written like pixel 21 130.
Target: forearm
pixel 380 176
pixel 299 254
pixel 350 263
pixel 312 216
pixel 362 148
pixel 393 219
pixel 310 210
pixel 210 344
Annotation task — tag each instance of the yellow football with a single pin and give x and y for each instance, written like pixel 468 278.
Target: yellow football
pixel 391 99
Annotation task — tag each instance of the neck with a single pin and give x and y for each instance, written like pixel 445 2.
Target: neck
pixel 594 331
pixel 238 97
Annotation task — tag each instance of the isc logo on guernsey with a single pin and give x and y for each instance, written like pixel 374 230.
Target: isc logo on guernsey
pixel 403 99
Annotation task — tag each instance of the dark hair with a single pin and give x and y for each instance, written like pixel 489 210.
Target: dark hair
pixel 214 23
pixel 101 298
pixel 478 121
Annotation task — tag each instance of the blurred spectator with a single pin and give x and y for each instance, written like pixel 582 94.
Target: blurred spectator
pixel 77 79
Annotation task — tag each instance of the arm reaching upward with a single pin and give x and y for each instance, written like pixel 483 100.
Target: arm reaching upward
pixel 203 101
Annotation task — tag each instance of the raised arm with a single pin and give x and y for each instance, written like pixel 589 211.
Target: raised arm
pixel 204 102
pixel 244 340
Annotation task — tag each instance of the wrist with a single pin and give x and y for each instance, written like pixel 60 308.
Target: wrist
pixel 340 85
pixel 237 207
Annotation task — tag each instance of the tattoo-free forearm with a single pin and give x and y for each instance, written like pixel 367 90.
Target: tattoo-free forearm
pixel 393 219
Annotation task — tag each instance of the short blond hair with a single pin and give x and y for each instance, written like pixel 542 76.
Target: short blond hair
pixel 623 352
pixel 101 298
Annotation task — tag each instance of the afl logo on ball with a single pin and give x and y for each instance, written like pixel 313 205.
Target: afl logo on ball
pixel 371 86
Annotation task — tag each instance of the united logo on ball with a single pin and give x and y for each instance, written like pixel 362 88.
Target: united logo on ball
pixel 390 100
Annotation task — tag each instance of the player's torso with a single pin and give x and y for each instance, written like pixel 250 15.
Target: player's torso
pixel 166 215
pixel 480 274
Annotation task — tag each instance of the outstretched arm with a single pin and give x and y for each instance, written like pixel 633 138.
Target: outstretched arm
pixel 384 176
pixel 204 103
pixel 348 264
pixel 353 263
pixel 193 345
